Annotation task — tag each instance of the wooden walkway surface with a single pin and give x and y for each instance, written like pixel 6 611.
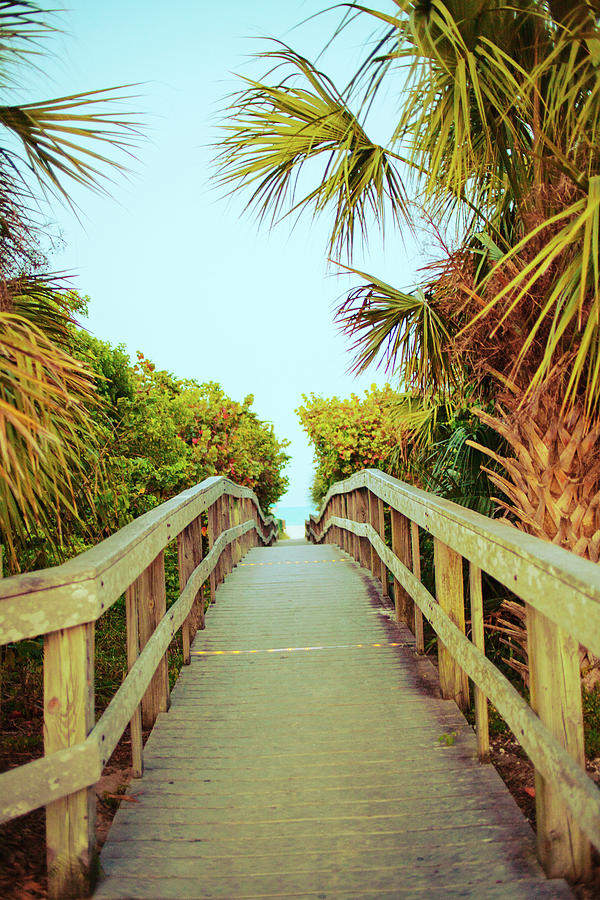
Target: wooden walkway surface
pixel 309 764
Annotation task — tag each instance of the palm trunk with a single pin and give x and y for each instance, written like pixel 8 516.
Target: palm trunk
pixel 552 487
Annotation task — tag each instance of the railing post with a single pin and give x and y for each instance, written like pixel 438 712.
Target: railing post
pixel 416 567
pixel 373 520
pixel 345 514
pixel 478 638
pixel 362 515
pixel 211 528
pixel 555 687
pixel 401 547
pixel 152 605
pixel 247 515
pixel 354 517
pixel 133 649
pixel 234 520
pixel 227 554
pixel 333 536
pixel 383 574
pixel 68 719
pixel 449 591
pixel 189 555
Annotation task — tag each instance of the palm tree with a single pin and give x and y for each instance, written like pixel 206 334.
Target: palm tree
pixel 498 138
pixel 47 431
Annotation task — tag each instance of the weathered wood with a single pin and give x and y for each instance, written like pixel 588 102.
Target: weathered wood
pixel 68 719
pixel 416 567
pixel 226 524
pixel 332 802
pixel 219 514
pixel 362 517
pixel 354 516
pixel 383 575
pixel 478 638
pixel 212 516
pixel 152 604
pixel 334 536
pixel 555 687
pixel 48 779
pixel 189 555
pixel 449 593
pixel 374 523
pixel 401 546
pixel 133 650
pixel 197 614
pixel 563 586
pixel 82 589
pixel 578 792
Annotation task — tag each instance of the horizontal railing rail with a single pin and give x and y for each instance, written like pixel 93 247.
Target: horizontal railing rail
pixel 561 592
pixel 63 603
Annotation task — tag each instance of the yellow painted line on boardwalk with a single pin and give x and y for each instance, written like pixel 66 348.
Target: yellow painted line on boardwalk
pixel 291 562
pixel 294 649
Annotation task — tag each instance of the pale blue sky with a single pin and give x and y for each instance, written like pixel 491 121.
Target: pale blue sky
pixel 173 270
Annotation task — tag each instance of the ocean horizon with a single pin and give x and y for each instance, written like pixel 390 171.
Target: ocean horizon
pixel 293 515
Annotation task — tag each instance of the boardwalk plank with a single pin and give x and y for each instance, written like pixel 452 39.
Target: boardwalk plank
pixel 293 772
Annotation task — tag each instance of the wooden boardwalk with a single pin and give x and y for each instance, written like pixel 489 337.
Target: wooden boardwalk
pixel 309 764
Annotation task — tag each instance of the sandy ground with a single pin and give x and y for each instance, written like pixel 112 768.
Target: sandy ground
pixel 294 531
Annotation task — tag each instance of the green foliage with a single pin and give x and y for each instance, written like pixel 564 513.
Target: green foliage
pixel 591 720
pixel 150 436
pixel 48 434
pixel 173 433
pixel 348 435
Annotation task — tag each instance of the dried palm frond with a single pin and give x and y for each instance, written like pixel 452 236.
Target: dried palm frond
pixel 48 436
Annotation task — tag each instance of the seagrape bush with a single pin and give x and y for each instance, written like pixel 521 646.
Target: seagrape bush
pixel 169 433
pixel 156 436
pixel 349 434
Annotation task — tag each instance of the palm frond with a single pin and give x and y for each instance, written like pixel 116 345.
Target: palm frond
pixel 404 330
pixel 274 132
pixel 48 435
pixel 58 137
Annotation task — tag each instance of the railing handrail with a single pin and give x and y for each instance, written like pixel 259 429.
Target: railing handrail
pixel 561 585
pixel 64 602
pixel 83 588
pixel 562 602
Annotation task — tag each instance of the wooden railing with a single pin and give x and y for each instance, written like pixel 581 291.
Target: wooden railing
pixel 63 603
pixel 561 592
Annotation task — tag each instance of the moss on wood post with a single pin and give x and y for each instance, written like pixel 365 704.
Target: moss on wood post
pixel 68 719
pixel 555 686
pixel 454 682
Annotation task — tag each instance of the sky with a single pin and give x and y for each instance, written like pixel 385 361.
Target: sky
pixel 171 267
